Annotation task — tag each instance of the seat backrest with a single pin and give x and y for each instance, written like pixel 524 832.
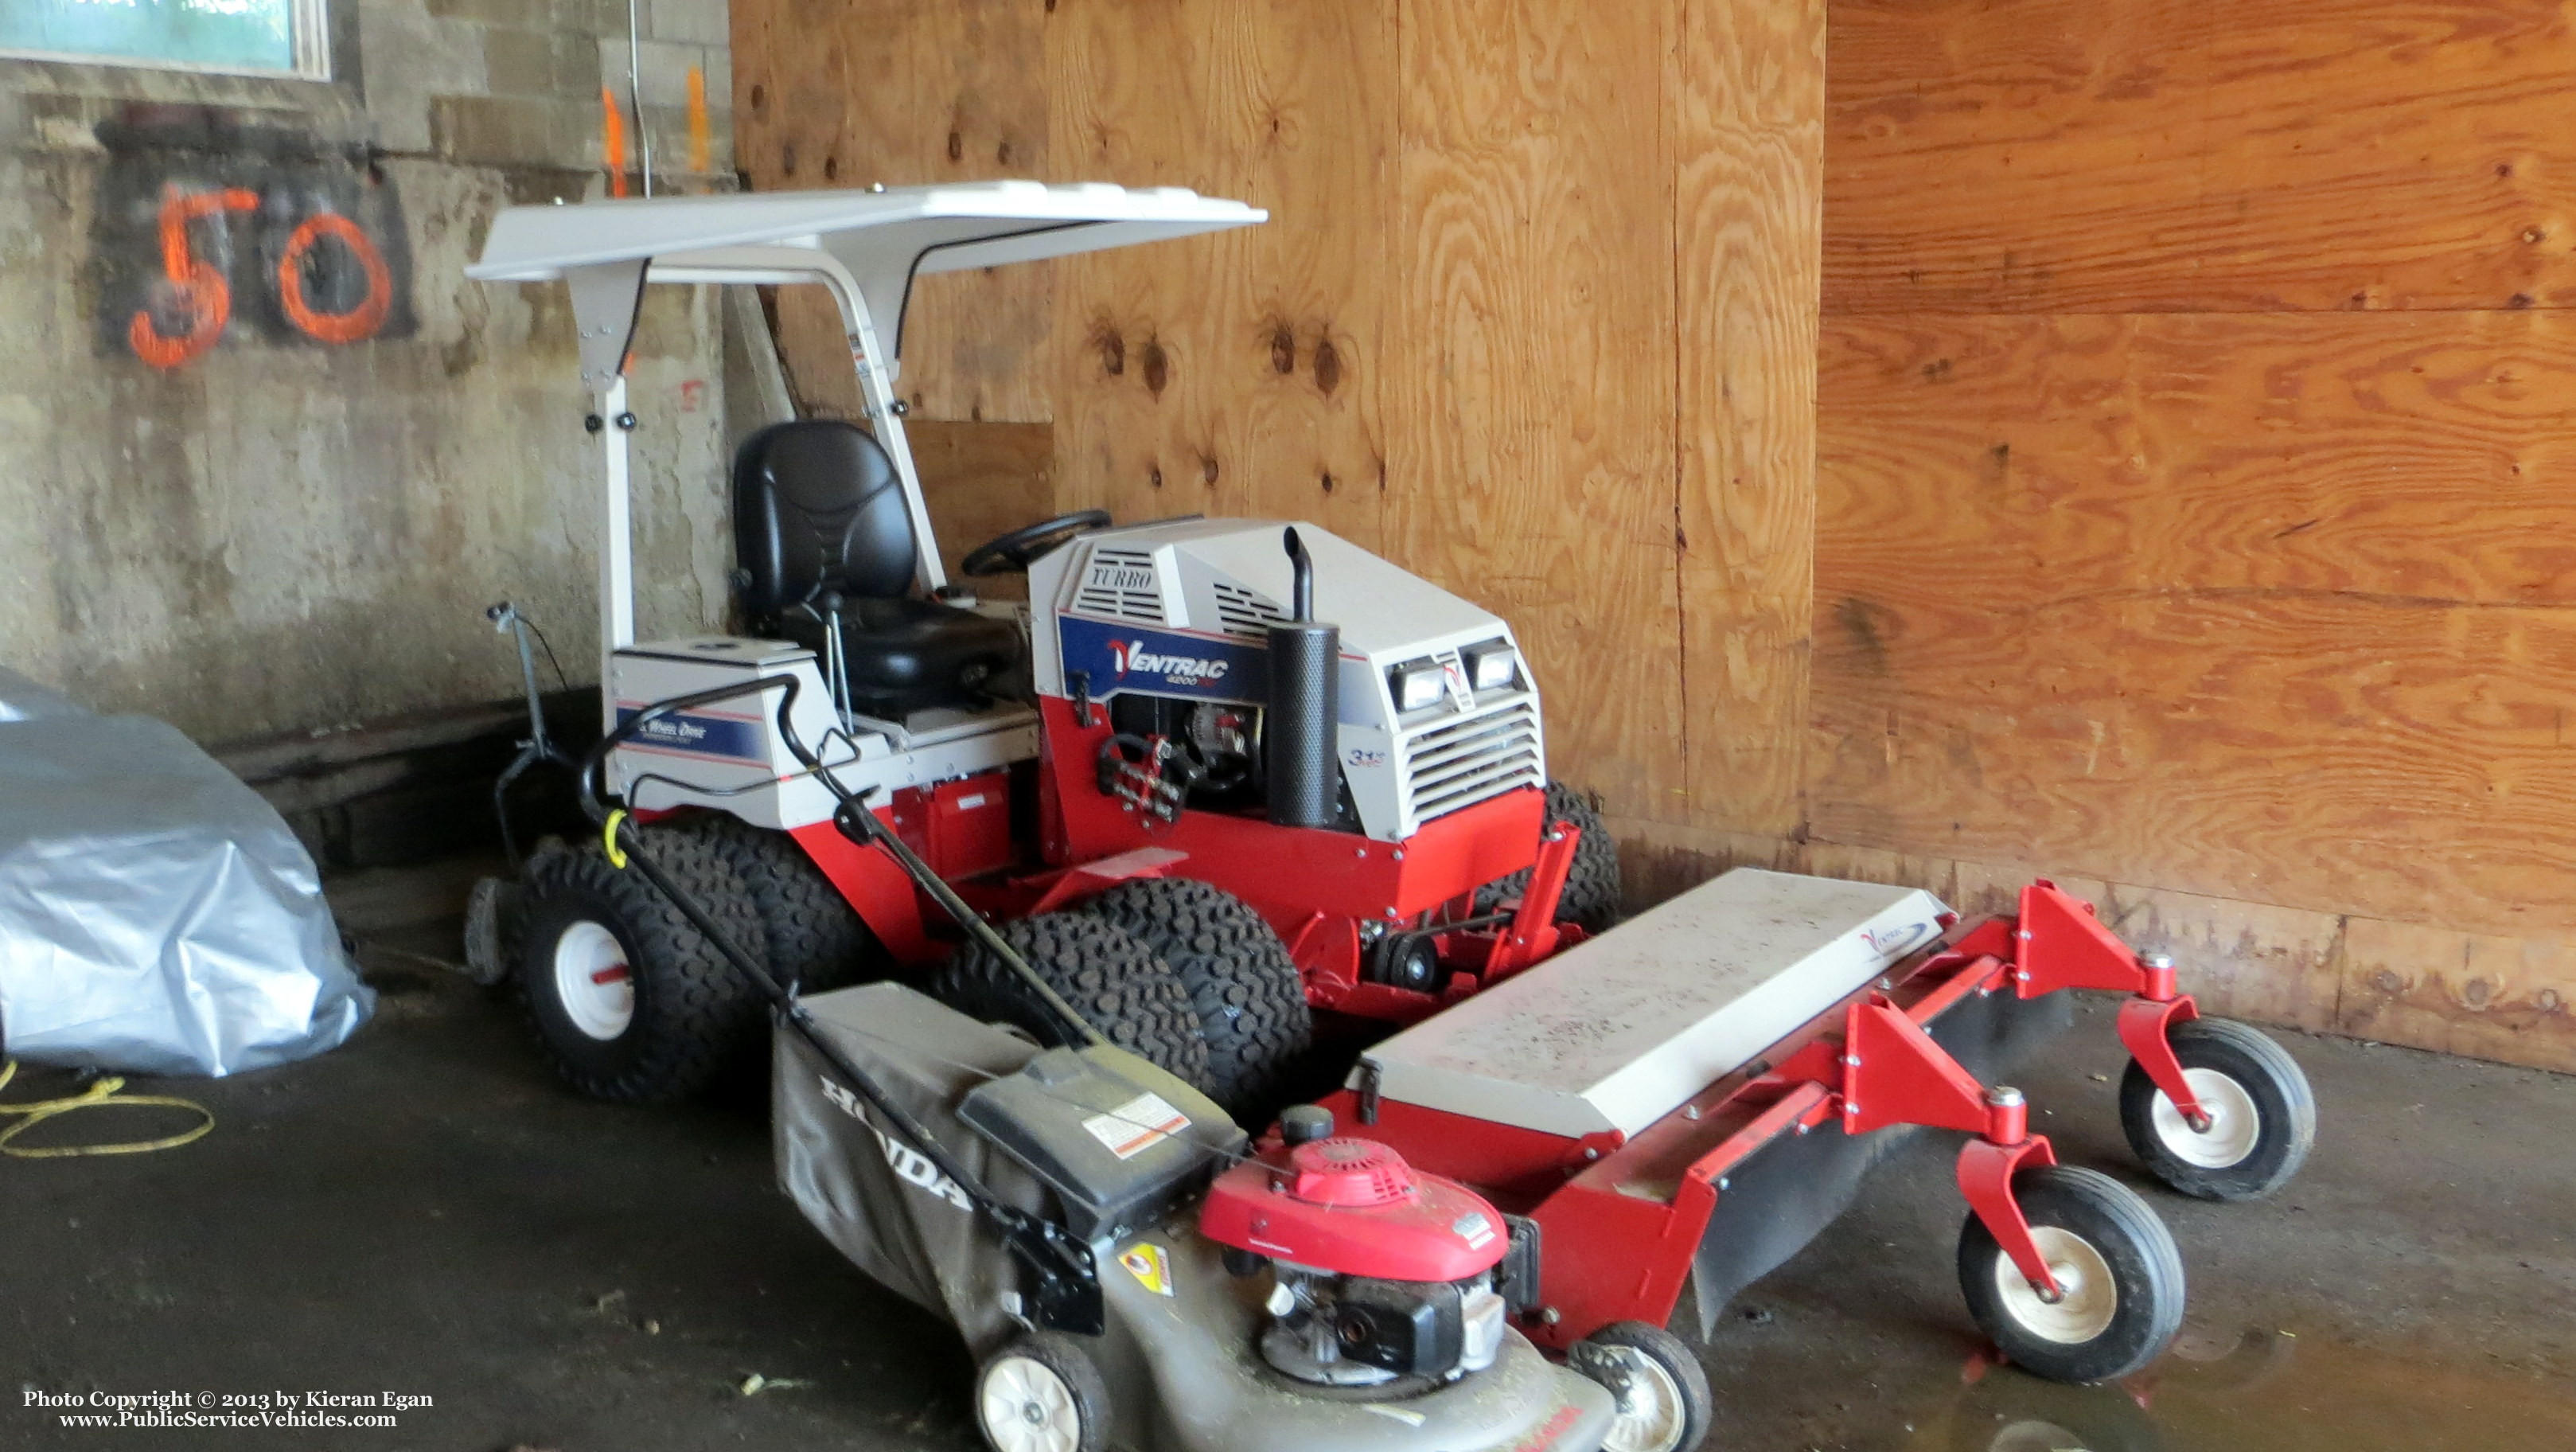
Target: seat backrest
pixel 818 507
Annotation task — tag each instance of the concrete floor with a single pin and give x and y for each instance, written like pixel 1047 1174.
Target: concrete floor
pixel 426 1213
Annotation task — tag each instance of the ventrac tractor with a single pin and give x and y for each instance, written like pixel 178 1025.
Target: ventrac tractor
pixel 1042 900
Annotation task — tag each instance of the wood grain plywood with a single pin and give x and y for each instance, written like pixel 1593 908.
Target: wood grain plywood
pixel 1748 143
pixel 2273 608
pixel 1238 373
pixel 2171 155
pixel 980 480
pixel 1531 410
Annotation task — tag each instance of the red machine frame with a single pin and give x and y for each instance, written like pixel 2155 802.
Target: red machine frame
pixel 1316 887
pixel 1622 1218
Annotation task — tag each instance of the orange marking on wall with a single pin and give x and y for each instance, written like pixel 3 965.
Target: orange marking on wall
pixel 198 288
pixel 698 129
pixel 612 141
pixel 359 322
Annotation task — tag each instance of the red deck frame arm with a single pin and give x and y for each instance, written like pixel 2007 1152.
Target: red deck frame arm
pixel 2059 943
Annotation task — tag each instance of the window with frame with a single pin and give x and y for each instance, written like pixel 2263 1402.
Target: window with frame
pixel 236 37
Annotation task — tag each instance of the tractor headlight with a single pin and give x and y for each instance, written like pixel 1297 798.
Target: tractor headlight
pixel 1490 665
pixel 1417 685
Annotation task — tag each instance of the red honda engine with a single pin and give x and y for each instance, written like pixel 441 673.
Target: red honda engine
pixel 1381 1273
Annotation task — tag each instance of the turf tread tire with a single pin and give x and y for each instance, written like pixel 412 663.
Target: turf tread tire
pixel 1116 983
pixel 693 1011
pixel 817 941
pixel 1244 988
pixel 1591 896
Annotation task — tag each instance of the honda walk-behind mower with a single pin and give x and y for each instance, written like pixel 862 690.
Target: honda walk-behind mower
pixel 1216 774
pixel 1093 1225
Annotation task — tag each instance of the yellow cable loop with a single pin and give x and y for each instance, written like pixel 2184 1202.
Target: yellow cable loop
pixel 608 839
pixel 103 1094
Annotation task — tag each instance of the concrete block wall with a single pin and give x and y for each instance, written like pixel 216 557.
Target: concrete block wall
pixel 274 490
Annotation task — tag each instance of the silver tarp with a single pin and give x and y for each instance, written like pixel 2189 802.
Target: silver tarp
pixel 155 915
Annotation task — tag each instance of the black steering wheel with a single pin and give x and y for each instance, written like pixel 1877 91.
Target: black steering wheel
pixel 1013 553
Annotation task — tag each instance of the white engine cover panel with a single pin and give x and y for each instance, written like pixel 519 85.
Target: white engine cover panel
pixel 1617 1032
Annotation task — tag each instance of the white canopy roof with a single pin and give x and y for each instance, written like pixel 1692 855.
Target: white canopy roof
pixel 883 239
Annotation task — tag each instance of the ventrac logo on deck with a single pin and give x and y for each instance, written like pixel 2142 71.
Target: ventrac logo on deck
pixel 910 1163
pixel 1897 941
pixel 1136 658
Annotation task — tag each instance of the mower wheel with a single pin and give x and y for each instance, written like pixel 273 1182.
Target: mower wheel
pixel 630 1000
pixel 816 939
pixel 2119 1279
pixel 1042 1394
pixel 1116 984
pixel 1591 896
pixel 1662 1391
pixel 2262 1117
pixel 1245 989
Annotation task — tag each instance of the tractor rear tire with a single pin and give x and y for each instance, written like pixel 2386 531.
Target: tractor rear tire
pixel 1245 989
pixel 1116 983
pixel 590 927
pixel 817 941
pixel 1591 897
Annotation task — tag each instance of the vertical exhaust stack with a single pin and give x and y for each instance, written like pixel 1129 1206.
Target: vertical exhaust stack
pixel 1300 740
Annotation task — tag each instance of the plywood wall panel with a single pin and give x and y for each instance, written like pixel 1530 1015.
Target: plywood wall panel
pixel 1238 373
pixel 2274 608
pixel 1748 143
pixel 2175 155
pixel 1532 407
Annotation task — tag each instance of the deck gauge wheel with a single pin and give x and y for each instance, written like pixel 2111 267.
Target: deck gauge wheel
pixel 1041 1394
pixel 2258 1117
pixel 2119 1279
pixel 1664 1404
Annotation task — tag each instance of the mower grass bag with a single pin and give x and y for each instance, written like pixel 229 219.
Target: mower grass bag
pixel 1121 1154
pixel 156 916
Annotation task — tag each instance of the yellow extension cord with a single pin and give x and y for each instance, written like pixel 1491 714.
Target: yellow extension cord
pixel 103 1094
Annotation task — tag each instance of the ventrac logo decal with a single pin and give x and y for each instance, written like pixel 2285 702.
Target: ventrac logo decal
pixel 910 1163
pixel 1118 657
pixel 1897 941
pixel 1135 657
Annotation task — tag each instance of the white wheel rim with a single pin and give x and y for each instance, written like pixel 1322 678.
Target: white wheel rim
pixel 1651 1415
pixel 593 981
pixel 2088 1297
pixel 2235 1125
pixel 1027 1408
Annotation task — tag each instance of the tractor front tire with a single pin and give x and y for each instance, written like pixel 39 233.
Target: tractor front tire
pixel 1590 900
pixel 1114 982
pixel 1243 986
pixel 629 999
pixel 817 941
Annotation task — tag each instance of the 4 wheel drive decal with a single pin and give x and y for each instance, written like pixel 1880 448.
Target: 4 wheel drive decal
pixel 914 1166
pixel 1162 663
pixel 698 734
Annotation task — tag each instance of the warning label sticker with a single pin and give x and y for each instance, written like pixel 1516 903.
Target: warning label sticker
pixel 1137 1125
pixel 1149 1265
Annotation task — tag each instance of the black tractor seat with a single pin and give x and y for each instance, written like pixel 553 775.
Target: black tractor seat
pixel 819 517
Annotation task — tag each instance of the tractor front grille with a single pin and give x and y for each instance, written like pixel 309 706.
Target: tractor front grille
pixel 1460 762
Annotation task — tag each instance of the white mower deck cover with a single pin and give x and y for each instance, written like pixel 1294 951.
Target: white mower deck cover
pixel 1618 1032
